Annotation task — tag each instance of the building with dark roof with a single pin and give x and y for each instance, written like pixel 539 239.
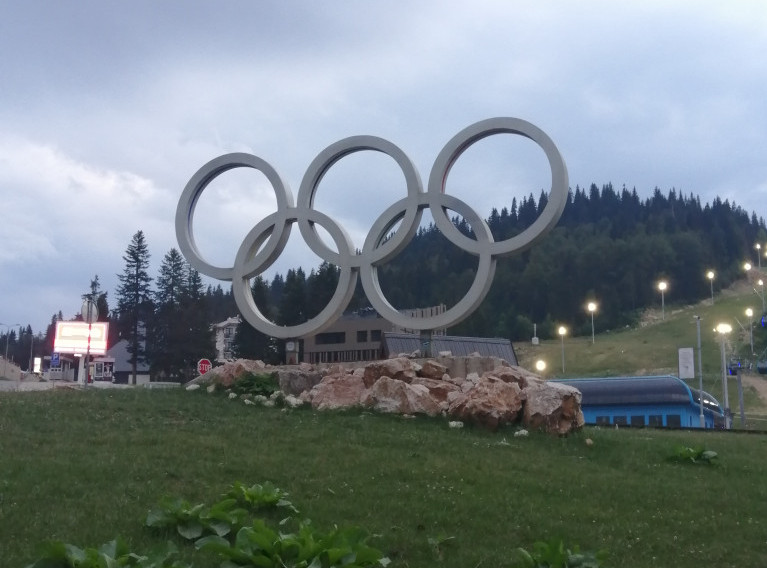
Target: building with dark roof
pixel 366 336
pixel 645 401
pixel 116 366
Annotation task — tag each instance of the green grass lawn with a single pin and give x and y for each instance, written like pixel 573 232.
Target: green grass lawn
pixel 85 467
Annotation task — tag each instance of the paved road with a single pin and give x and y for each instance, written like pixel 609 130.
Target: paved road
pixel 24 385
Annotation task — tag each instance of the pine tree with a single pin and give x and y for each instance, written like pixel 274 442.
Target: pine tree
pixel 249 343
pixel 167 332
pixel 134 300
pixel 198 339
pixel 293 301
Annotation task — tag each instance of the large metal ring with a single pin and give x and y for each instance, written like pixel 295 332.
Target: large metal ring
pixel 266 241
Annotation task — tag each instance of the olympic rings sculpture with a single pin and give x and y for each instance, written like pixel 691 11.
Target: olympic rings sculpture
pixel 267 239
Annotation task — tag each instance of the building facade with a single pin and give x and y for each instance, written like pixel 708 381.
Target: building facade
pixel 224 333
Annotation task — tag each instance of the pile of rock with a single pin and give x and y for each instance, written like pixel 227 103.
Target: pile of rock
pixel 480 390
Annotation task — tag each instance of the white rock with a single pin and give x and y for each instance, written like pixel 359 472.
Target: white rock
pixel 455 424
pixel 193 387
pixel 293 401
pixel 520 433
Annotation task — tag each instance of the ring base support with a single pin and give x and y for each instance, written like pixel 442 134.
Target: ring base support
pixel 425 340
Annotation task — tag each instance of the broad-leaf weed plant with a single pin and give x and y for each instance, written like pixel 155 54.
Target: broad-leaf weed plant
pixel 229 531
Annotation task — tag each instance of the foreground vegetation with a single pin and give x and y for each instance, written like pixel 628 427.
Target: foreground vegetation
pixel 86 467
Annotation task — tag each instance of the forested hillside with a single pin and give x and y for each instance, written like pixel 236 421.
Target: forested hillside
pixel 610 247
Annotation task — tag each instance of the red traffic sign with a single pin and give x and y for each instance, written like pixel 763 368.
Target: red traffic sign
pixel 203 366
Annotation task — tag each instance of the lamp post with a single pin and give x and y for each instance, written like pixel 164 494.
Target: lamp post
pixel 700 376
pixel 710 275
pixel 759 255
pixel 723 329
pixel 750 315
pixel 760 282
pixel 592 307
pixel 662 287
pixel 562 332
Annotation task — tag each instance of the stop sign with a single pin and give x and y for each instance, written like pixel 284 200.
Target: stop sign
pixel 203 366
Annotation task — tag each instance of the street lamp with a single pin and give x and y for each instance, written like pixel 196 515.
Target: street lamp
pixel 592 307
pixel 562 332
pixel 750 314
pixel 662 287
pixel 710 275
pixel 540 365
pixel 723 329
pixel 700 375
pixel 759 255
pixel 760 282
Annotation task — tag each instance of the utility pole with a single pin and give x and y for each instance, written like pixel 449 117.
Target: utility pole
pixel 700 376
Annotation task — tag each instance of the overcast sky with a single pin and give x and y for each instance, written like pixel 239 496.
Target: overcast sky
pixel 108 108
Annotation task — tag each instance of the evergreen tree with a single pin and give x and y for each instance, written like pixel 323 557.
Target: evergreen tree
pixel 168 328
pixel 293 301
pixel 199 340
pixel 134 300
pixel 182 332
pixel 320 287
pixel 249 343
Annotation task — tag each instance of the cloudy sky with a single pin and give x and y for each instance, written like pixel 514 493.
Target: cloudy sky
pixel 108 108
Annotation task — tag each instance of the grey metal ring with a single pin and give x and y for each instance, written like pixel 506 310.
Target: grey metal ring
pixel 266 241
pixel 192 193
pixel 459 144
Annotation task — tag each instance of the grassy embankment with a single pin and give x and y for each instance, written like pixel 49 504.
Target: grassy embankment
pixel 84 467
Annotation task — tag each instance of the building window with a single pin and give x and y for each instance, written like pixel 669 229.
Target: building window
pixel 603 420
pixel 656 420
pixel 362 336
pixel 375 335
pixel 637 420
pixel 620 420
pixel 330 338
pixel 673 421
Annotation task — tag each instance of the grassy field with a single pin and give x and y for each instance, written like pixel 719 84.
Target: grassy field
pixel 85 467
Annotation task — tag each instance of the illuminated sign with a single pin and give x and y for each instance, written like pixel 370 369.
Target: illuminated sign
pixel 73 337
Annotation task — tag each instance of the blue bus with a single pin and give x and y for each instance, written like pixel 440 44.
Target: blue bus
pixel 656 401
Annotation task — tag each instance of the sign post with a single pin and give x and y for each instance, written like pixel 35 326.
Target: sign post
pixel 203 366
pixel 90 314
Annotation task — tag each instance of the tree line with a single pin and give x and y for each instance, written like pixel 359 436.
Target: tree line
pixel 610 246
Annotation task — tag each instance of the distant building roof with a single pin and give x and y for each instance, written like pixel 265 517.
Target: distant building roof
pixel 632 390
pixel 234 320
pixel 119 351
pixel 395 343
